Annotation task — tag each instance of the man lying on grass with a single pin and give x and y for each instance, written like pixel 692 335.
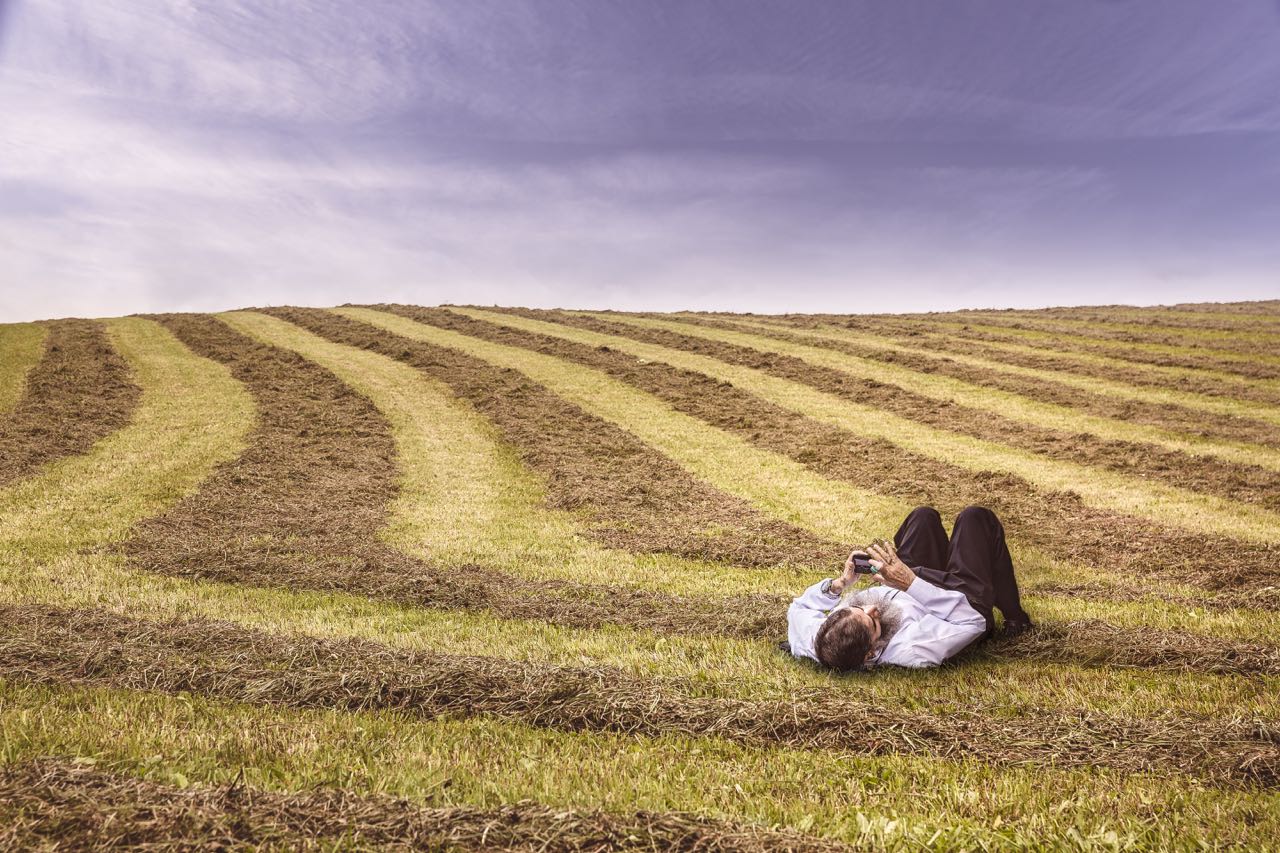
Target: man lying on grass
pixel 918 616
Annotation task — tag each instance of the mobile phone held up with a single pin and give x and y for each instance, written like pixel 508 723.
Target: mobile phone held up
pixel 862 563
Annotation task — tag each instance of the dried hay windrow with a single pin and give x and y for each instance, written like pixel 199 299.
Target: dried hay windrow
pixel 1056 522
pixel 229 662
pixel 79 392
pixel 1230 479
pixel 1212 342
pixel 1154 354
pixel 59 804
pixel 1114 369
pixel 321 460
pixel 1233 427
pixel 636 498
pixel 302 506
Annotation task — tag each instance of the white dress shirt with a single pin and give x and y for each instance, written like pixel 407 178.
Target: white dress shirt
pixel 936 623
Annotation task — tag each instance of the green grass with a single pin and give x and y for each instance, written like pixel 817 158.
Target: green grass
pixel 1009 405
pixel 465 495
pixel 1230 382
pixel 1049 335
pixel 895 803
pixel 1210 336
pixel 1097 487
pixel 1120 390
pixel 21 345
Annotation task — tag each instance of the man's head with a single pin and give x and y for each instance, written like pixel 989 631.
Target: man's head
pixel 849 637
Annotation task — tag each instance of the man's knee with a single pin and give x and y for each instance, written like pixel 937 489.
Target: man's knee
pixel 974 514
pixel 924 513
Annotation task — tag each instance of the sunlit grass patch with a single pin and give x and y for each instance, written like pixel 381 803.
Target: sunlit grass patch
pixel 465 497
pixel 21 345
pixel 1161 396
pixel 192 416
pixel 1048 336
pixel 772 482
pixel 1007 404
pixel 896 803
pixel 1096 487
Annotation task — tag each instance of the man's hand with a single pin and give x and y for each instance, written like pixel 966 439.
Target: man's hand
pixel 893 572
pixel 849 576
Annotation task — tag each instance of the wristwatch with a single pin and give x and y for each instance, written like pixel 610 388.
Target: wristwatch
pixel 826 587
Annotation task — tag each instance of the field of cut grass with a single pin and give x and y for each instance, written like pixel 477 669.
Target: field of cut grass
pixel 429 576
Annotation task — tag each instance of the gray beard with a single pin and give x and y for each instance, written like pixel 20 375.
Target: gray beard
pixel 890 614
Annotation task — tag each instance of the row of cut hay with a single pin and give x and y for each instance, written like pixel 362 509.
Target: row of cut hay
pixel 1206 415
pixel 221 660
pixel 79 392
pixel 1259 345
pixel 1049 520
pixel 162 450
pixel 1208 349
pixel 21 346
pixel 1163 318
pixel 1081 366
pixel 1235 481
pixel 1218 335
pixel 899 802
pixel 67 805
pixel 1213 364
pixel 323 460
pixel 929 386
pixel 626 494
pixel 750 617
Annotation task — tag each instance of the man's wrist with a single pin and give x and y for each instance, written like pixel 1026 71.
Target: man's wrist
pixel 834 586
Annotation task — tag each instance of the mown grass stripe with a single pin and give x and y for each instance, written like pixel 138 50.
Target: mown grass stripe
pixel 1203 382
pixel 773 482
pixel 931 803
pixel 464 498
pixel 1118 340
pixel 191 416
pixel 1009 405
pixel 1237 365
pixel 1093 384
pixel 1100 488
pixel 78 392
pixel 1164 318
pixel 56 574
pixel 1211 338
pixel 50 803
pixel 21 345
pixel 53 646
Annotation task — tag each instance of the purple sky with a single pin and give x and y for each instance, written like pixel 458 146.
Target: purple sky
pixel 739 155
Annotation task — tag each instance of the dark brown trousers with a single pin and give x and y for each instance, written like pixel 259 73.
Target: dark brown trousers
pixel 974 561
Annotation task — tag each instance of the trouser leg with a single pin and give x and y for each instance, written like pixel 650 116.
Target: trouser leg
pixel 978 559
pixel 922 543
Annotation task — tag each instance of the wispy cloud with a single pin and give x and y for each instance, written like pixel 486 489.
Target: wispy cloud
pixel 160 155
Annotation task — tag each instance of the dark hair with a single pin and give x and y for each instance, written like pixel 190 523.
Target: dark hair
pixel 842 642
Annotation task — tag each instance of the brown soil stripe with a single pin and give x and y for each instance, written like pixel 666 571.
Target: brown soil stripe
pixel 322 459
pixel 1160 319
pixel 79 392
pixel 638 499
pixel 57 804
pixel 222 660
pixel 930 337
pixel 1061 342
pixel 1058 523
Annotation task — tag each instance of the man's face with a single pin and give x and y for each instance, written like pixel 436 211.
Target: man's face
pixel 869 616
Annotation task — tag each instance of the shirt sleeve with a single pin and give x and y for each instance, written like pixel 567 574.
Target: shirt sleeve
pixel 949 625
pixel 805 616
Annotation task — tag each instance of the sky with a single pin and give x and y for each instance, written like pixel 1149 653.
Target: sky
pixel 798 155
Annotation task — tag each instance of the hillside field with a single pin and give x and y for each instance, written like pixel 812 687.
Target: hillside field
pixel 399 576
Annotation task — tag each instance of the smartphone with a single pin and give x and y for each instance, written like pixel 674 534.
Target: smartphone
pixel 862 563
